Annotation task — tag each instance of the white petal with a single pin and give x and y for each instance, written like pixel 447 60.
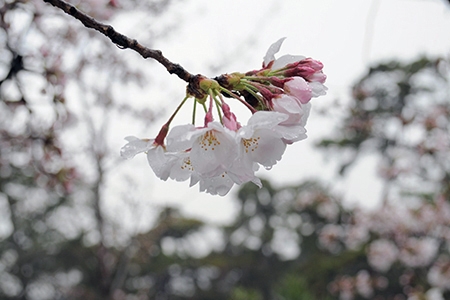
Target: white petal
pixel 292 133
pixel 195 178
pixel 181 137
pixel 243 170
pixel 306 110
pixel 135 146
pixel 318 89
pixel 266 119
pixel 218 185
pixel 182 168
pixel 273 49
pixel 160 163
pixel 265 147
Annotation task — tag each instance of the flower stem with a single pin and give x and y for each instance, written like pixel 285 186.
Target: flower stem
pixel 159 140
pixel 222 89
pixel 212 94
pixel 194 112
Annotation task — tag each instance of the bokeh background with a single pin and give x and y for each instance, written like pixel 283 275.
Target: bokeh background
pixel 359 210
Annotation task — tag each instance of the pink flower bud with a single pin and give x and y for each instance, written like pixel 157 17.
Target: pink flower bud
pixel 208 117
pixel 229 119
pixel 300 71
pixel 312 63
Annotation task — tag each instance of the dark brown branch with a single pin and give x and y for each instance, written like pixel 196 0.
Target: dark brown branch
pixel 121 40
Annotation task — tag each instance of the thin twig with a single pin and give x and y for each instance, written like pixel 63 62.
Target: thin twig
pixel 123 41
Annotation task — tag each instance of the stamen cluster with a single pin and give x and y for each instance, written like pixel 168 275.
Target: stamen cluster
pixel 223 152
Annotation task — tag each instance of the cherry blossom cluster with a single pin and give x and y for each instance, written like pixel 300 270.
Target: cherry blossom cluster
pixel 222 152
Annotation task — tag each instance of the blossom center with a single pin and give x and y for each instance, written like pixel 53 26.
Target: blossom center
pixel 251 144
pixel 186 165
pixel 209 141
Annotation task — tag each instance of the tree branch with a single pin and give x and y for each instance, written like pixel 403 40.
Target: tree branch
pixel 123 41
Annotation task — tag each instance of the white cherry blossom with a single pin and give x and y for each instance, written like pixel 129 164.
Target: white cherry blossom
pixel 260 141
pixel 213 149
pixel 220 154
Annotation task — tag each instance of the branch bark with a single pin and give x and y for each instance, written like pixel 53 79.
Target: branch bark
pixel 123 41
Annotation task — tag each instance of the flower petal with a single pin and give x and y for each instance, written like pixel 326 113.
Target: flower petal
pixel 160 163
pixel 299 88
pixel 273 49
pixel 135 146
pixel 181 137
pixel 214 151
pixel 318 89
pixel 286 60
pixel 217 185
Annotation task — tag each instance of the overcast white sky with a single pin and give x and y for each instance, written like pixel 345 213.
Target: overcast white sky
pixel 346 35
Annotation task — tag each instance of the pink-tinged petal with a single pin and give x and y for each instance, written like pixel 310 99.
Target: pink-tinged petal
pixel 312 63
pixel 135 146
pixel 293 129
pixel 317 77
pixel 290 106
pixel 285 60
pixel 299 88
pixel 273 49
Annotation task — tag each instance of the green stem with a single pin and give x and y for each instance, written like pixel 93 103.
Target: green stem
pixel 212 94
pixel 222 89
pixel 194 112
pixel 159 140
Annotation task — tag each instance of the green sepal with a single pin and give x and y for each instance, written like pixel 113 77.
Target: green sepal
pixel 201 100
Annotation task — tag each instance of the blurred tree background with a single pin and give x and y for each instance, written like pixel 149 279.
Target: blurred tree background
pixel 58 241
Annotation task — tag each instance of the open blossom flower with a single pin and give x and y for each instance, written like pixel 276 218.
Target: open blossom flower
pixel 222 153
pixel 213 148
pixel 261 140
